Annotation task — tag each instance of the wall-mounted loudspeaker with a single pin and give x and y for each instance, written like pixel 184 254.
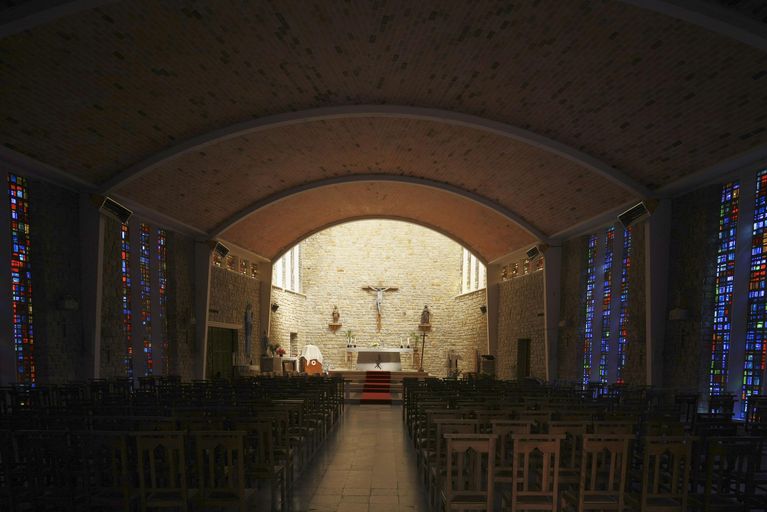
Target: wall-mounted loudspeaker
pixel 637 213
pixel 221 249
pixel 112 208
pixel 535 251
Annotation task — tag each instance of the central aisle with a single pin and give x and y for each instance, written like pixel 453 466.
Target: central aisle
pixel 368 465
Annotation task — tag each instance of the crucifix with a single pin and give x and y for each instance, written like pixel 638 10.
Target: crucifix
pixel 379 300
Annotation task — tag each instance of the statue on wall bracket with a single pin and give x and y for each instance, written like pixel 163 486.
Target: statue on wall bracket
pixel 335 324
pixel 425 324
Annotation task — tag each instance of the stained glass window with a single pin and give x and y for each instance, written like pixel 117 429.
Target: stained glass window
pixel 126 297
pixel 725 274
pixel 162 260
pixel 604 347
pixel 21 281
pixel 624 302
pixel 755 355
pixel 588 330
pixel 145 295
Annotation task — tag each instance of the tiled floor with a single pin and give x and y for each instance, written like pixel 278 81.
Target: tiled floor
pixel 368 465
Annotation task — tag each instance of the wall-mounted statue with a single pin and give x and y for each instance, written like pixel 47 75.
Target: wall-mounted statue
pixel 336 315
pixel 425 315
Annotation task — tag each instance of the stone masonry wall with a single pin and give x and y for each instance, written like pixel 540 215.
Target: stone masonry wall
pixel 288 319
pixel 692 273
pixel 180 307
pixel 113 345
pixel 60 350
pixel 230 293
pixel 570 348
pixel 635 370
pixel 521 315
pixel 426 267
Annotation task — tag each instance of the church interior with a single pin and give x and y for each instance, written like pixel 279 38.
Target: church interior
pixel 383 255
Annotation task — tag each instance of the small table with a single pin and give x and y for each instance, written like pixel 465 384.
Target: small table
pixel 379 359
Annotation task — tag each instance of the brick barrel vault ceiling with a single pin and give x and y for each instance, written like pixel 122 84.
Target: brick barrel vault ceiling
pixel 221 179
pixel 279 226
pixel 102 89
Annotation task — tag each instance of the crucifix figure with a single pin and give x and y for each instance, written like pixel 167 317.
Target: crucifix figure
pixel 379 300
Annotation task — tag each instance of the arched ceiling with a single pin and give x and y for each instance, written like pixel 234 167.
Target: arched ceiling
pixel 476 227
pixel 99 90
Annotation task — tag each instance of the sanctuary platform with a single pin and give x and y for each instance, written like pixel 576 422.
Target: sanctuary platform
pixel 373 387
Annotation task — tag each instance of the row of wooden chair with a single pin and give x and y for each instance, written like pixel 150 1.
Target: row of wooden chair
pixel 189 448
pixel 503 446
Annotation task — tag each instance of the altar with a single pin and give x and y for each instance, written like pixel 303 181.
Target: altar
pixel 379 359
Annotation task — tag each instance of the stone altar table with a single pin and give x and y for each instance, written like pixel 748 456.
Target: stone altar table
pixel 379 359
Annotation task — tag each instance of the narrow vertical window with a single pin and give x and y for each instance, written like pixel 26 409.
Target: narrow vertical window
pixel 725 274
pixel 604 346
pixel 755 354
pixel 126 298
pixel 162 260
pixel 21 281
pixel 145 295
pixel 590 299
pixel 624 298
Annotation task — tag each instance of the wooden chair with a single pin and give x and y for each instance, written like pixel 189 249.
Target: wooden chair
pixel 506 430
pixel 260 462
pixel 727 482
pixel 535 473
pixel 614 427
pixel 470 460
pixel 162 462
pixel 436 463
pixel 570 451
pixel 221 471
pixel 665 475
pixel 108 482
pixel 604 467
pixel 48 461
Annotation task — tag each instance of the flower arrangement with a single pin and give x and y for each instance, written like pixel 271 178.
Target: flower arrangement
pixel 280 351
pixel 272 348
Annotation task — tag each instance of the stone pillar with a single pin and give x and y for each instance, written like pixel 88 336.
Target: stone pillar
pixel 493 303
pixel 657 238
pixel 7 349
pixel 265 301
pixel 552 288
pixel 92 270
pixel 202 262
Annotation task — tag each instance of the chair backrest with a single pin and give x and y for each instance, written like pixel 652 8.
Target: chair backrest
pixel 541 419
pixel 604 468
pixel 162 462
pixel 470 467
pixel 731 463
pixel 105 457
pixel 452 426
pixel 535 471
pixel 220 463
pixel 614 427
pixel 505 430
pixel 666 470
pixel 573 431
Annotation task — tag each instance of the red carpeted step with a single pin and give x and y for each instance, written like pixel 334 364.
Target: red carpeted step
pixel 377 388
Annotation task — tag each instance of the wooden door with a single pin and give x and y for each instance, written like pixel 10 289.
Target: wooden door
pixel 221 346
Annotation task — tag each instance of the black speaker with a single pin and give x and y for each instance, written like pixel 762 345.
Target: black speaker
pixel 637 213
pixel 535 251
pixel 221 249
pixel 114 209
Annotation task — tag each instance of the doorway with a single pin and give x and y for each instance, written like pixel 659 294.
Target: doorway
pixel 221 348
pixel 523 358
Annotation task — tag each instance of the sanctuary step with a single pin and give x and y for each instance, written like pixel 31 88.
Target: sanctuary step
pixel 357 384
pixel 377 389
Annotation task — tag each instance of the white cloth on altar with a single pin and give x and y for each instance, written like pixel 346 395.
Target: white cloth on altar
pixel 310 352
